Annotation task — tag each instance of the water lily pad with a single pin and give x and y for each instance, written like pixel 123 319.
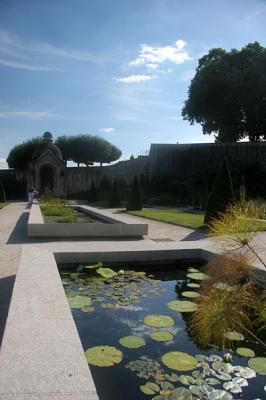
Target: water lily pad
pixel 190 294
pixel 245 352
pixel 245 372
pixel 94 266
pixel 132 342
pixel 193 285
pixel 162 336
pixel 212 381
pixel 88 309
pixel 147 390
pixel 233 387
pixel 172 378
pixel 223 286
pixel 234 335
pixel 186 380
pixel 159 321
pixel 258 364
pixel 103 356
pixel 108 305
pixel 182 306
pixel 199 276
pixel 79 301
pixel 179 361
pixel 106 272
pixel 153 386
pixel 191 269
pixel 219 395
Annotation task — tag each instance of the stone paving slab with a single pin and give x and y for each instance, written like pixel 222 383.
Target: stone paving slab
pixel 41 352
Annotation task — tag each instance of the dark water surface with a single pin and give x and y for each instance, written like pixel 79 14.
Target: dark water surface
pixel 149 294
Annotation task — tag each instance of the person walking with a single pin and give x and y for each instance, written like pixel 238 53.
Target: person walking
pixel 30 195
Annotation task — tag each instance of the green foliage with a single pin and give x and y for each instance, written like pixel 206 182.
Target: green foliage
pixel 93 195
pixel 114 200
pixel 222 193
pixel 53 207
pixel 103 356
pixel 238 225
pixel 188 219
pixel 220 311
pixel 179 361
pixel 135 198
pixel 227 94
pixel 21 154
pixel 87 149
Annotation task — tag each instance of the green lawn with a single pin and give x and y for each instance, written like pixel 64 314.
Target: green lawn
pixel 2 205
pixel 187 219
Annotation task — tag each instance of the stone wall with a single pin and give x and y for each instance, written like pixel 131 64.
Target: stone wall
pixel 79 178
pixel 181 160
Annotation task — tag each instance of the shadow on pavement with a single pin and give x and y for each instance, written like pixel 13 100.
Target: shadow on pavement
pixel 6 288
pixel 19 233
pixel 198 234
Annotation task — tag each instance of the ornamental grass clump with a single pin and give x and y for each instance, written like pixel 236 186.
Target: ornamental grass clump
pixel 228 269
pixel 221 310
pixel 260 319
pixel 237 226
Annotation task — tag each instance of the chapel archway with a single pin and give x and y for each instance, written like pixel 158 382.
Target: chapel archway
pixel 47 180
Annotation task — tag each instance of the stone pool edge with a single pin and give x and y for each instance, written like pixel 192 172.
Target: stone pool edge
pixel 115 226
pixel 41 353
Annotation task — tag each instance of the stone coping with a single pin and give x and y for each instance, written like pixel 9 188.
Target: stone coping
pixel 41 355
pixel 115 226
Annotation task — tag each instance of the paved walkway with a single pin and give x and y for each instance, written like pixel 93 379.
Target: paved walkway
pixel 13 219
pixel 161 236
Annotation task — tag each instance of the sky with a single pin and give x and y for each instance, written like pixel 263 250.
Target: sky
pixel 119 69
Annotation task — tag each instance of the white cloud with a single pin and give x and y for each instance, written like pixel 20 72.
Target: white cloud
pixel 107 130
pixel 15 64
pixel 136 78
pixel 257 11
pixel 27 114
pixel 18 50
pixel 152 66
pixel 3 163
pixel 149 55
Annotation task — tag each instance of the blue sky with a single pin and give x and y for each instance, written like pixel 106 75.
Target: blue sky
pixel 117 68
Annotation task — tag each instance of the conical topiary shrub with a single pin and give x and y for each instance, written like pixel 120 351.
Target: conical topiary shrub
pixel 222 193
pixel 114 200
pixel 135 198
pixel 93 193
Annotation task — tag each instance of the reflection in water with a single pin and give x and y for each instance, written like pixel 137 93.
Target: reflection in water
pixel 134 295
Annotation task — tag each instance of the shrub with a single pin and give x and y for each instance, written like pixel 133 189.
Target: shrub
pixel 135 198
pixel 114 200
pixel 222 193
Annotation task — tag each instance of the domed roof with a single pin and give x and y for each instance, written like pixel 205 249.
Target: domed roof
pixel 47 135
pixel 47 145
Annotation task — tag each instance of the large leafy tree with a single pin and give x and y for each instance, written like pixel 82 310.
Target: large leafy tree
pixel 85 149
pixel 21 154
pixel 227 96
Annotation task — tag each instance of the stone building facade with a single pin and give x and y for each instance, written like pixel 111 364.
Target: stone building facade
pixel 48 172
